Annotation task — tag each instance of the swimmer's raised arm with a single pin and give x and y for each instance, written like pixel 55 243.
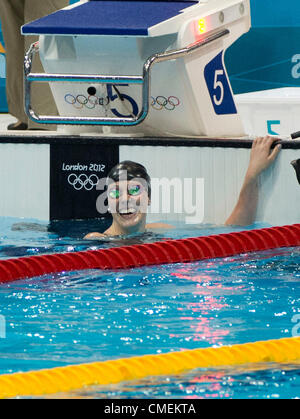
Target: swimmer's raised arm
pixel 261 158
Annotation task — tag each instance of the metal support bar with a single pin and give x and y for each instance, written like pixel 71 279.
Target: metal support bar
pixel 144 80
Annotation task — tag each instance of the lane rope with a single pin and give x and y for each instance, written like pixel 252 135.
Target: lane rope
pixel 75 377
pixel 69 378
pixel 164 252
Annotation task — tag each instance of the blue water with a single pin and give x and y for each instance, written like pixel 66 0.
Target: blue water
pixel 76 317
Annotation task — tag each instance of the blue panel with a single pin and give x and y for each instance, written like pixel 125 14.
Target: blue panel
pixel 108 18
pixel 218 86
pixel 275 13
pixel 268 56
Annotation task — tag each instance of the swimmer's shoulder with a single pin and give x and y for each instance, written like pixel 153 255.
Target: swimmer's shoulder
pixel 154 226
pixel 109 233
pixel 94 236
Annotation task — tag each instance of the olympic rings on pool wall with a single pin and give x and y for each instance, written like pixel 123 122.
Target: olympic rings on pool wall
pixel 83 181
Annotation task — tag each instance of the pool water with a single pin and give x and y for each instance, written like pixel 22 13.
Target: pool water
pixel 79 317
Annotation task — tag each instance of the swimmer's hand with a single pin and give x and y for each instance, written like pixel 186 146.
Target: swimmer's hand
pixel 261 158
pixel 94 236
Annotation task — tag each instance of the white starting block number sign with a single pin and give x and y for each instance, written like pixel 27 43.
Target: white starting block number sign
pixel 218 87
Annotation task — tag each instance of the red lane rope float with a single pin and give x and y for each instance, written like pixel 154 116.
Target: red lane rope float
pixel 169 251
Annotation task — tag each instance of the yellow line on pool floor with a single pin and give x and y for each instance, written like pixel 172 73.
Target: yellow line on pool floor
pixel 74 377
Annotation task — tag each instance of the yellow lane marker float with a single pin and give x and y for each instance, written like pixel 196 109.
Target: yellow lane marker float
pixel 74 377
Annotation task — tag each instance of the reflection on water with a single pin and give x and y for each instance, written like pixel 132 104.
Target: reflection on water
pixel 263 381
pixel 93 315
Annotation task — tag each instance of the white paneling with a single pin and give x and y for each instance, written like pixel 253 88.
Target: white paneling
pixel 223 170
pixel 25 171
pixel 24 180
pixel 280 192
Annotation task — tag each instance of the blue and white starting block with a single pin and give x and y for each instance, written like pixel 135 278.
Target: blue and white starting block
pixel 140 67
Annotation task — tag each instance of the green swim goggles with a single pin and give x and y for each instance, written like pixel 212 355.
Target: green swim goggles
pixel 132 191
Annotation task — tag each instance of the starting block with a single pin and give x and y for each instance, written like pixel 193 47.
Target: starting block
pixel 139 67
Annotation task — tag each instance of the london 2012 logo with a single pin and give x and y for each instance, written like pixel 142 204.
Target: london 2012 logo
pixel 82 181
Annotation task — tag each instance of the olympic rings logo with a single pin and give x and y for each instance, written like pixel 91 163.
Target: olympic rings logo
pixel 161 102
pixel 83 181
pixel 89 102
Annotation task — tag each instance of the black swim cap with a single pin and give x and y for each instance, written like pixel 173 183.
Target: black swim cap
pixel 132 170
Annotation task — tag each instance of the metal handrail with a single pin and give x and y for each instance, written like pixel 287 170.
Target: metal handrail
pixel 144 80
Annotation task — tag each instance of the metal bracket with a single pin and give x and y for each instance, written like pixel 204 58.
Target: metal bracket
pixel 296 166
pixel 144 81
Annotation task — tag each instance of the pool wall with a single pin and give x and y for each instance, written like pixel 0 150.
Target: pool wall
pixel 50 177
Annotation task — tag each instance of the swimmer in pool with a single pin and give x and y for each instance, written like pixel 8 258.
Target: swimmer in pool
pixel 129 193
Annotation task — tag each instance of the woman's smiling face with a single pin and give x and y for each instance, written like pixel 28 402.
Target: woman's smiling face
pixel 128 202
